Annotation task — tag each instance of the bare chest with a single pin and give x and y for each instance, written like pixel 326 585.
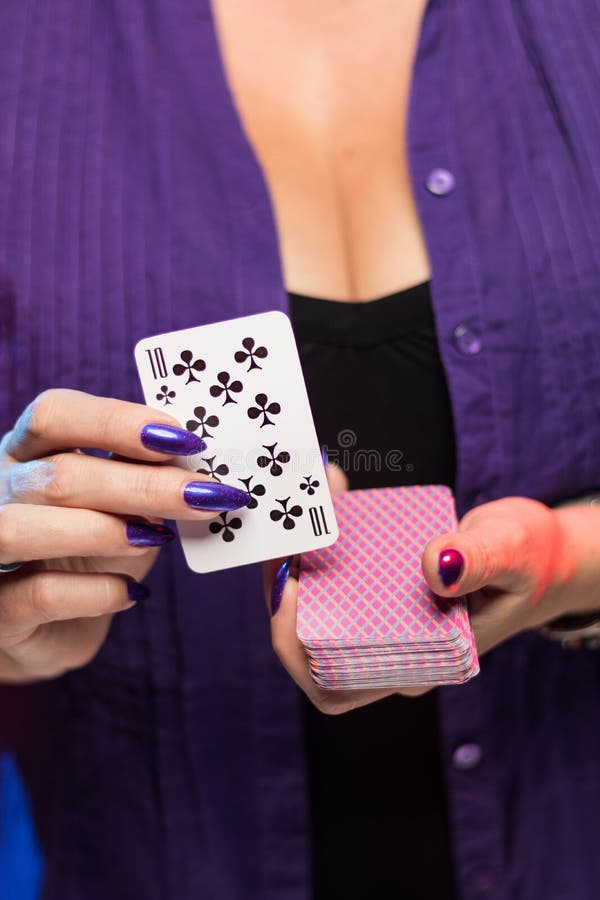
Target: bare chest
pixel 322 91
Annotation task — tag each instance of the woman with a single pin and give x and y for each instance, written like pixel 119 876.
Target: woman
pixel 171 765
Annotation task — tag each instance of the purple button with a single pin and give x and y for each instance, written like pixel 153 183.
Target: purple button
pixel 466 340
pixel 467 757
pixel 440 182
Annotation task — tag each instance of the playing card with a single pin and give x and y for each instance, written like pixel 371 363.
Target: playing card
pixel 239 386
pixel 366 616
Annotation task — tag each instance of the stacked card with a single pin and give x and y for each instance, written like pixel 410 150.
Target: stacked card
pixel 238 385
pixel 366 616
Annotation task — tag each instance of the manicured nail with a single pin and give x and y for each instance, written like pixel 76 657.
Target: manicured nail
pixel 137 591
pixel 279 584
pixel 450 566
pixel 144 534
pixel 6 568
pixel 324 457
pixel 213 496
pixel 168 439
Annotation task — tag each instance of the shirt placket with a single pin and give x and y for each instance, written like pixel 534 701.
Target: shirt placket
pixel 440 185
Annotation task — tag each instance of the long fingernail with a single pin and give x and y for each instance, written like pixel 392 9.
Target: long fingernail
pixel 450 566
pixel 137 591
pixel 279 584
pixel 324 456
pixel 144 534
pixel 169 439
pixel 7 568
pixel 213 496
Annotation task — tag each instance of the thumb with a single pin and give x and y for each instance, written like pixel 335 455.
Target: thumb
pixel 276 571
pixel 337 479
pixel 492 547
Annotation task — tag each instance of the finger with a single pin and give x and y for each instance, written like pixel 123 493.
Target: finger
pixel 292 655
pixel 43 532
pixel 31 599
pixel 336 478
pixel 65 419
pixel 337 482
pixel 86 482
pixel 54 649
pixel 507 545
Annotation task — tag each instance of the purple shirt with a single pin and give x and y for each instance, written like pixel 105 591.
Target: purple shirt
pixel 131 204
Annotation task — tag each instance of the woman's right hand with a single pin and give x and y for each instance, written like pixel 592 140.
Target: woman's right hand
pixel 87 529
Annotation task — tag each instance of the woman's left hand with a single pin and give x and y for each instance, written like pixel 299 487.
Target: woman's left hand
pixel 522 566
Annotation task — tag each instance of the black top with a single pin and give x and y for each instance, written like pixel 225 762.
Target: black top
pixel 381 406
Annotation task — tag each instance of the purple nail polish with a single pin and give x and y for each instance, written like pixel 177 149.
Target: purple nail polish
pixel 137 591
pixel 450 566
pixel 324 456
pixel 168 439
pixel 279 584
pixel 144 534
pixel 214 496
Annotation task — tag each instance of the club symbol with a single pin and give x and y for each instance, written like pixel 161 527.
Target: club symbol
pixel 258 490
pixel 309 485
pixel 209 468
pixel 272 460
pixel 202 421
pixel 225 526
pixel 262 408
pixel 252 353
pixel 288 515
pixel 166 395
pixel 226 387
pixel 190 365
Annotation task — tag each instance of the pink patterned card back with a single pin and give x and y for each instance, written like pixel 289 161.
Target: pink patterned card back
pixel 365 613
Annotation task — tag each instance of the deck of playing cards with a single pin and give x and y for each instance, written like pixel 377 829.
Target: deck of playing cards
pixel 366 616
pixel 238 385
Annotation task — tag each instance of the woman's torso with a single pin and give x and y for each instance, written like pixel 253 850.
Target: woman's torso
pixel 131 204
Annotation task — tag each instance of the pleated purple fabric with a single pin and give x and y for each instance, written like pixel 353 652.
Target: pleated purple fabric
pixel 130 204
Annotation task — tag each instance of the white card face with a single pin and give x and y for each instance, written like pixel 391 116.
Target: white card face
pixel 238 384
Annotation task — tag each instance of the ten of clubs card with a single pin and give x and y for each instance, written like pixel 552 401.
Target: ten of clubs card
pixel 239 386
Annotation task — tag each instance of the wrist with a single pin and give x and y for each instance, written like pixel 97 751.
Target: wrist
pixel 578 569
pixel 574 607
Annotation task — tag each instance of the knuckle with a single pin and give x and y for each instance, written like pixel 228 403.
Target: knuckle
pixel 59 478
pixel 109 594
pixel 4 443
pixel 35 421
pixel 508 544
pixel 112 419
pixel 44 596
pixel 118 417
pixel 7 533
pixel 148 487
pixel 485 560
pixel 520 533
pixel 468 517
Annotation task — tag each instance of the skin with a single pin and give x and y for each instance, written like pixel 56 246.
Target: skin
pixel 330 145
